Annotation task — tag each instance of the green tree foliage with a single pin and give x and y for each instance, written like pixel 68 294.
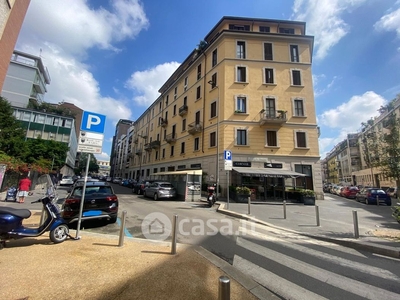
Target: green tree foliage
pixel 93 166
pixel 12 135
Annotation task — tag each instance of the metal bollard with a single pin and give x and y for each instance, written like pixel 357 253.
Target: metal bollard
pixel 317 215
pixel 377 200
pixel 355 221
pixel 122 230
pixel 284 209
pixel 174 232
pixel 224 288
pixel 248 206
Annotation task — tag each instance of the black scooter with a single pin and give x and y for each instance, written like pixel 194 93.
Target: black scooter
pixel 211 198
pixel 11 223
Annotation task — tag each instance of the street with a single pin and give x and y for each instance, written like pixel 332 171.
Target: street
pixel 286 263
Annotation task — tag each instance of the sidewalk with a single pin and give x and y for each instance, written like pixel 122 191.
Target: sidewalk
pixel 339 229
pixel 94 267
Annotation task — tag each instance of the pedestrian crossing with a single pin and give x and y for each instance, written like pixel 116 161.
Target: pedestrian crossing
pixel 297 267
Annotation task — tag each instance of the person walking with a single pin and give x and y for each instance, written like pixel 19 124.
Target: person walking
pixel 24 187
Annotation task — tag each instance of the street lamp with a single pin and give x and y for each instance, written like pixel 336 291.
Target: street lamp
pixel 213 85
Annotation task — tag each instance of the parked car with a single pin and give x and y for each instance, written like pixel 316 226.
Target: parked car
pixel 117 180
pixel 66 180
pixel 392 192
pixel 350 192
pixel 128 183
pixel 139 186
pixel 160 190
pixel 80 181
pixel 371 195
pixel 100 203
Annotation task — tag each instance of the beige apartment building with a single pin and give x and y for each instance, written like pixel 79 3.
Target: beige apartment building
pixel 246 89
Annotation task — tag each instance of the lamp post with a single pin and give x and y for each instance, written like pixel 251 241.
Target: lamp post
pixel 212 83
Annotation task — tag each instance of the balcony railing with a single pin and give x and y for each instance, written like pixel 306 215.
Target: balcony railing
pixel 195 127
pixel 164 122
pixel 138 152
pixel 183 110
pixel 155 144
pixel 278 117
pixel 136 140
pixel 170 138
pixel 147 147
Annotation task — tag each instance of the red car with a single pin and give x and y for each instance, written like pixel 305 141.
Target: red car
pixel 350 192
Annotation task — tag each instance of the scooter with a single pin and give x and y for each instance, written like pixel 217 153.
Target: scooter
pixel 211 195
pixel 11 223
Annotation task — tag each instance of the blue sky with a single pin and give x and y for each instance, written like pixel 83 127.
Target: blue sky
pixel 111 57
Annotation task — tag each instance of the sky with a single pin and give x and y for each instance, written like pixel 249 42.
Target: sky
pixel 111 56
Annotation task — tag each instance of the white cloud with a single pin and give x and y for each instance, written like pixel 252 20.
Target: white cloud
pixel 324 21
pixel 103 156
pixel 348 116
pixel 390 22
pixel 63 32
pixel 146 83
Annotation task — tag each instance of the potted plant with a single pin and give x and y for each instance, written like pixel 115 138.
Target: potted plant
pixel 242 193
pixel 307 196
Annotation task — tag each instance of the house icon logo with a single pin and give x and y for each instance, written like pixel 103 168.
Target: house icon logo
pixel 156 226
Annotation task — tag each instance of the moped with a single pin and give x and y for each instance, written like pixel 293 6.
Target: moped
pixel 211 198
pixel 11 223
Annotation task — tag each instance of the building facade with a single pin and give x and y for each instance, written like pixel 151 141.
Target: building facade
pixel 248 89
pixel 12 14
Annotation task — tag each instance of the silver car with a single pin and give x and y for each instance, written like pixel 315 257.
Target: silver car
pixel 159 190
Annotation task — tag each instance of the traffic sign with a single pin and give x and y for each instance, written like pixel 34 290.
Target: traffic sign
pixel 228 155
pixel 93 122
pixel 228 165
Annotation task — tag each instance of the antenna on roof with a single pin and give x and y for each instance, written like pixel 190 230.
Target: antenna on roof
pixel 40 55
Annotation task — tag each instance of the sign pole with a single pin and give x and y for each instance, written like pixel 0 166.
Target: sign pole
pixel 82 199
pixel 227 190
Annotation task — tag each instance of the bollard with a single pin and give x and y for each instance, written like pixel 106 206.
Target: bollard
pixel 122 230
pixel 173 242
pixel 355 222
pixel 377 200
pixel 224 288
pixel 317 215
pixel 284 209
pixel 248 206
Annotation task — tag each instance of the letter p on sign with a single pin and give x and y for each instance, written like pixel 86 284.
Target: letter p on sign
pixel 93 122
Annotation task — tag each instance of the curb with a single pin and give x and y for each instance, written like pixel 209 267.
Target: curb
pixel 388 251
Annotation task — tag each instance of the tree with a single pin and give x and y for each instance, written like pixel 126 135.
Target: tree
pixel 93 166
pixel 12 135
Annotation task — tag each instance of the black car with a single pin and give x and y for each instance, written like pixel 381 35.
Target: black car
pixel 100 203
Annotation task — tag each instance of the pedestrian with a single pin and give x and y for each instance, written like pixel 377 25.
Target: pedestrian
pixel 24 187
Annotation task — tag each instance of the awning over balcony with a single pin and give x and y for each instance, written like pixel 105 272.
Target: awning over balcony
pixel 268 172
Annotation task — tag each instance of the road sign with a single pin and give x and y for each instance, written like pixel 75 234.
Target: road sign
pixel 228 165
pixel 89 149
pixel 228 155
pixel 93 122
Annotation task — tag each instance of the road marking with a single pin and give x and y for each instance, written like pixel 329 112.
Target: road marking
pixel 126 232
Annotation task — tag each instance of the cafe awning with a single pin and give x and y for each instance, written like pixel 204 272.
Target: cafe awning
pixel 268 172
pixel 181 172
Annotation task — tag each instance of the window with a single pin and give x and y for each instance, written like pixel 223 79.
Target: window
pixel 214 58
pixel 241 137
pixel 241 74
pixel 198 71
pixel 214 80
pixel 301 139
pixel 213 109
pixel 272 138
pixel 294 53
pixel 183 124
pixel 196 144
pixel 213 139
pixel 163 153
pixel 185 84
pixel 159 107
pixel 239 27
pixel 268 51
pixel 269 75
pixel 197 117
pixel 298 107
pixel 270 108
pixel 286 30
pixel 175 93
pixel 172 150
pixel 175 110
pixel 240 49
pixel 264 29
pixel 173 130
pixel 183 148
pixel 296 77
pixel 166 100
pixel 198 92
pixel 185 100
pixel 241 104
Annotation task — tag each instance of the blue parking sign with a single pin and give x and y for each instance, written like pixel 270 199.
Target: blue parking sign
pixel 93 122
pixel 228 155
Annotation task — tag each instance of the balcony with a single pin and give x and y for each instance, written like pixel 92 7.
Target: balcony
pixel 155 144
pixel 170 138
pixel 183 110
pixel 195 127
pixel 138 152
pixel 164 122
pixel 278 117
pixel 136 140
pixel 147 147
